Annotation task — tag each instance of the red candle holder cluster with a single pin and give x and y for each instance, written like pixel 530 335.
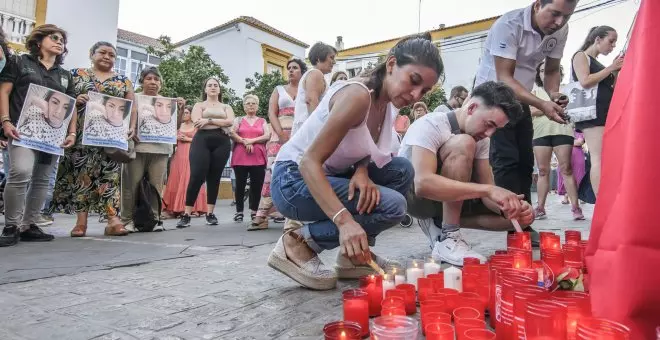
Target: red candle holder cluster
pixel 373 285
pixel 598 329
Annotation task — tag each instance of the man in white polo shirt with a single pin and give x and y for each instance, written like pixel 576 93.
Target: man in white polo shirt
pixel 453 185
pixel 517 42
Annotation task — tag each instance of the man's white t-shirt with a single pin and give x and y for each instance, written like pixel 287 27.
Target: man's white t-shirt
pixel 513 37
pixel 431 132
pixel 442 108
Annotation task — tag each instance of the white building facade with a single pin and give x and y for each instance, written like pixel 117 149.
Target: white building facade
pixel 460 47
pixel 245 46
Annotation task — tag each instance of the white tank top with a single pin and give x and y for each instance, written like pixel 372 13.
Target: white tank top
pixel 300 114
pixel 285 102
pixel 356 145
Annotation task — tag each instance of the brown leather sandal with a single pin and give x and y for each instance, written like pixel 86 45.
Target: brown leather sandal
pixel 116 229
pixel 79 231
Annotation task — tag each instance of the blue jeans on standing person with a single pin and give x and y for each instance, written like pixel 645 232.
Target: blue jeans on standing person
pixel 51 186
pixel 293 199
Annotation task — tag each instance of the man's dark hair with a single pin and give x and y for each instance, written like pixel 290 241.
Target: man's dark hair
pixel 547 2
pixel 320 52
pixel 456 91
pixel 150 70
pixel 500 95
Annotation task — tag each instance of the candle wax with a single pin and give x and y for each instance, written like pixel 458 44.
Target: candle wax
pixel 414 273
pixel 431 268
pixel 399 279
pixel 454 278
pixel 387 285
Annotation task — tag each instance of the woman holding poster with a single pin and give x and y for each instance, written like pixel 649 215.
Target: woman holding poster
pixel 47 47
pixel 150 155
pixel 88 179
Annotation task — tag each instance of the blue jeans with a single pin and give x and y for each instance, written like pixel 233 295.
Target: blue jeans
pixel 51 186
pixel 293 199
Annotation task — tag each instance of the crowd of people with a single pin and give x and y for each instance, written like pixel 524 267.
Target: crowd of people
pixel 337 153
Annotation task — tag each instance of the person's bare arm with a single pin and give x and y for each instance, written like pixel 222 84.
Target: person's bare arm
pixel 348 109
pixel 587 79
pixel 505 69
pixel 265 137
pixel 483 174
pixel 314 88
pixel 224 122
pixel 430 185
pixel 130 95
pixel 273 108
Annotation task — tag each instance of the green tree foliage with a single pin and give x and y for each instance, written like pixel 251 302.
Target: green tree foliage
pixel 184 72
pixel 262 85
pixel 432 99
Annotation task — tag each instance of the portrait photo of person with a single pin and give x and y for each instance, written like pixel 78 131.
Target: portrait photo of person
pixel 44 119
pixel 107 120
pixel 157 119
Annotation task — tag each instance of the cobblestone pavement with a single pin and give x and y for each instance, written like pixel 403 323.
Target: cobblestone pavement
pixel 200 283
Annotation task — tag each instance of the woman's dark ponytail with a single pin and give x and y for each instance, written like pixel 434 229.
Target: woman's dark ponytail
pixel 595 32
pixel 414 49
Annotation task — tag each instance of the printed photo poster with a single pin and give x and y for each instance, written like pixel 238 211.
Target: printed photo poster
pixel 156 119
pixel 44 120
pixel 107 121
pixel 581 102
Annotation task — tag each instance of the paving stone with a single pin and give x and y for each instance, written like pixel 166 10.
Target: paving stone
pixel 114 336
pixel 148 326
pixel 58 327
pixel 169 304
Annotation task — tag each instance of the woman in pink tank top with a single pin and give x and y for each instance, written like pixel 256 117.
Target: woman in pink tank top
pixel 280 112
pixel 248 157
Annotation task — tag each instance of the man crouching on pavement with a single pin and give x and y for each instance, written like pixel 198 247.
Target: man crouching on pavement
pixel 453 179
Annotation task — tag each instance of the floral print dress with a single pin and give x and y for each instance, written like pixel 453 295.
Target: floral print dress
pixel 87 179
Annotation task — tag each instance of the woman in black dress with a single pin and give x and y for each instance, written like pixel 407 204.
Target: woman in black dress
pixel 589 72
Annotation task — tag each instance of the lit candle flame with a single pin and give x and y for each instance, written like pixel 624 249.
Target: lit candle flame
pixel 342 336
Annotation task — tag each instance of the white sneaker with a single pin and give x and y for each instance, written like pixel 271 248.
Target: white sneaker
pixel 159 227
pixel 454 249
pixel 130 227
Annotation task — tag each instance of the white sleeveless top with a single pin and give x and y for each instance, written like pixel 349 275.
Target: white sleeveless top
pixel 356 145
pixel 300 114
pixel 285 101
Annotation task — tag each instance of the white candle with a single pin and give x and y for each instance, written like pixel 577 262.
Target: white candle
pixel 414 272
pixel 431 268
pixel 388 283
pixel 399 279
pixel 454 278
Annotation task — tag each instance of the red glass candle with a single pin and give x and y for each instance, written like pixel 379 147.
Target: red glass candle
pixel 394 301
pixel 373 285
pixel 439 331
pixel 514 241
pixel 470 261
pixel 573 237
pixel 466 313
pixel 478 334
pixel 434 317
pixel 573 255
pixel 521 258
pixel 472 300
pixel 463 325
pixel 551 242
pixel 554 262
pixel 356 308
pixel 342 330
pixel 390 310
pixel 411 297
pixel 578 307
pixel 399 293
pixel 601 329
pixel 521 295
pixel 424 288
pixel 545 319
pixel 500 252
pixel 438 280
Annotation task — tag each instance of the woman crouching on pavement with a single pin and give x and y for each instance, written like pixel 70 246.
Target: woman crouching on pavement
pixel 338 171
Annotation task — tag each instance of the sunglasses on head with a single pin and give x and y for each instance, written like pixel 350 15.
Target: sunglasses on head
pixel 57 38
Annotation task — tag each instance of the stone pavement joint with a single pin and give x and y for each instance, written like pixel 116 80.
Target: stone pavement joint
pixel 195 283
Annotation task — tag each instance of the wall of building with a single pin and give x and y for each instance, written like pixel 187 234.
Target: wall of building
pixel 102 16
pixel 227 48
pixel 461 56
